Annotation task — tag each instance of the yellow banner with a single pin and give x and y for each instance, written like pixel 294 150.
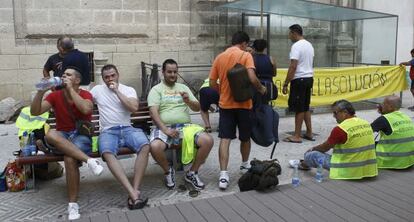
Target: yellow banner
pixel 352 84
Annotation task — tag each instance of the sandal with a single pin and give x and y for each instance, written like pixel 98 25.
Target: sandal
pixel 207 129
pixel 137 204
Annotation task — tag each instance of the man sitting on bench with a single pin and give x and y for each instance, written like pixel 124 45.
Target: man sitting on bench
pixel 69 104
pixel 115 103
pixel 169 104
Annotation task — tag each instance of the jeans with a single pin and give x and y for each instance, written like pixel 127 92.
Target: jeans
pixel 311 159
pixel 110 140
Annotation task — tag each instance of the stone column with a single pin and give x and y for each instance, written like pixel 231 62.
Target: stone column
pixel 99 61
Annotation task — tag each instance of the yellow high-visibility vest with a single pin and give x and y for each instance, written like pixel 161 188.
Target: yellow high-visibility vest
pixel 355 158
pixel 27 122
pixel 396 151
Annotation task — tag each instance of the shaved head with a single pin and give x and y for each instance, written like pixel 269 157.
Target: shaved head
pixel 393 101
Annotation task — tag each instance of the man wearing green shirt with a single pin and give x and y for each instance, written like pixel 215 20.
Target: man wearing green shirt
pixel 170 103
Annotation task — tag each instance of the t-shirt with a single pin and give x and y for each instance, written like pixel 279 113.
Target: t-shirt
pixel 54 63
pixel 172 108
pixel 64 121
pixel 338 136
pixel 381 124
pixel 302 51
pixel 221 65
pixel 111 111
pixel 79 60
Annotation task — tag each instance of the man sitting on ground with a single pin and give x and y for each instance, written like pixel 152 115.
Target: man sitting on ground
pixel 353 147
pixel 169 104
pixel 70 105
pixel 115 103
pixel 395 149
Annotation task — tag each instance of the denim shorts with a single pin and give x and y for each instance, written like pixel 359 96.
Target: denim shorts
pixel 82 142
pixel 112 139
pixel 312 157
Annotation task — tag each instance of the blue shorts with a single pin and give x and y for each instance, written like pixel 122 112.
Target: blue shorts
pixel 112 139
pixel 82 142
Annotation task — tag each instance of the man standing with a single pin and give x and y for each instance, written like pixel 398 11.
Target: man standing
pixel 300 77
pixel 169 104
pixel 75 58
pixel 70 104
pixel 411 64
pixel 395 149
pixel 115 103
pixel 353 147
pixel 233 114
pixel 54 62
pixel 208 96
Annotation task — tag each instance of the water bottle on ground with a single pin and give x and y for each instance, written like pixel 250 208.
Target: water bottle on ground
pixel 32 145
pixel 24 144
pixel 319 171
pixel 47 83
pixel 295 177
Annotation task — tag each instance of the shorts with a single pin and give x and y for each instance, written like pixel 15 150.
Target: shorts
pixel 300 94
pixel 112 139
pixel 412 84
pixel 84 143
pixel 208 96
pixel 232 118
pixel 156 133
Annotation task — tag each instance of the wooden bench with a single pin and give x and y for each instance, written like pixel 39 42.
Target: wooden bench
pixel 140 119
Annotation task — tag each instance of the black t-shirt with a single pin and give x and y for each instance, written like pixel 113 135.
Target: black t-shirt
pixel 79 60
pixel 381 124
pixel 54 63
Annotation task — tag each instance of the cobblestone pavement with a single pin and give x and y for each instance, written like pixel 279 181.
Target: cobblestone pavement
pixel 103 194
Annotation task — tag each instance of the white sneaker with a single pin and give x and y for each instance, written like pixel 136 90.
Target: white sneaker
pixel 293 163
pixel 244 168
pixel 73 211
pixel 170 178
pixel 95 166
pixel 224 180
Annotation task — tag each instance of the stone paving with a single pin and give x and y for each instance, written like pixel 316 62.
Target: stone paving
pixel 103 194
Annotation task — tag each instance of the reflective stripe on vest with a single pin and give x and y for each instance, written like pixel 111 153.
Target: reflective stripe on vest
pixel 355 158
pixel 354 150
pixel 396 151
pixel 27 122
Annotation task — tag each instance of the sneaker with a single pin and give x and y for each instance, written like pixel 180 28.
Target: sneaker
pixel 194 180
pixel 293 163
pixel 95 166
pixel 170 179
pixel 244 168
pixel 223 181
pixel 73 211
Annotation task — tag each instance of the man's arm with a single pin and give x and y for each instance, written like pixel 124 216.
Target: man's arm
pixel 323 147
pixel 157 120
pixel 381 124
pixel 85 106
pixel 193 104
pixel 290 74
pixel 46 73
pixel 38 106
pixel 128 102
pixel 255 81
pixel 214 85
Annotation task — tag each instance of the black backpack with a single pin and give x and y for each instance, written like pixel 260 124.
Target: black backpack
pixel 261 176
pixel 265 126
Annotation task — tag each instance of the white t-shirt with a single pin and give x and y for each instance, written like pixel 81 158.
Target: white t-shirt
pixel 111 111
pixel 302 51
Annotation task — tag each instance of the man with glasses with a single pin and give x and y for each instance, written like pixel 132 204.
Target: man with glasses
pixel 353 147
pixel 395 148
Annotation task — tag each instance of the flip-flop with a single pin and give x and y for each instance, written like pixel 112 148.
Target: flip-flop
pixel 306 137
pixel 137 204
pixel 207 129
pixel 289 140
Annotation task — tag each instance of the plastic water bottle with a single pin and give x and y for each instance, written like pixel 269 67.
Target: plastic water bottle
pixel 47 83
pixel 295 177
pixel 24 144
pixel 319 171
pixel 32 145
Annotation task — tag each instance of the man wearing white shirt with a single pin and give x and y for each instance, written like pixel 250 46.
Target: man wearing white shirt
pixel 300 78
pixel 115 103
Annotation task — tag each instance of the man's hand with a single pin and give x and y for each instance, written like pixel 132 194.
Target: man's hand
pixel 263 90
pixel 185 97
pixel 172 133
pixel 285 89
pixel 113 86
pixel 67 83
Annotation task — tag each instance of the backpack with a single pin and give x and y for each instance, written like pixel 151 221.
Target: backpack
pixel 262 175
pixel 265 126
pixel 240 85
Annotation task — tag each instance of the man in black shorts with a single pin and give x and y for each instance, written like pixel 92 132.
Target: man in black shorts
pixel 300 77
pixel 208 96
